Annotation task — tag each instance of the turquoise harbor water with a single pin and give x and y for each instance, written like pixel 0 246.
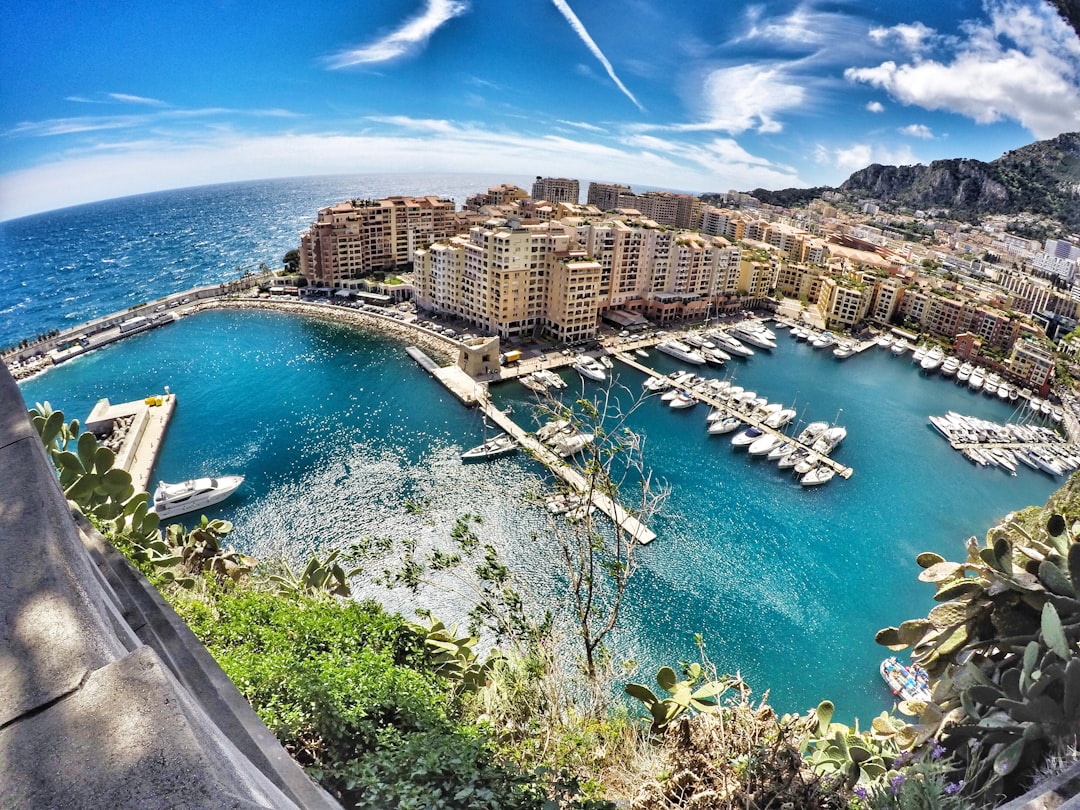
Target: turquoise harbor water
pixel 335 428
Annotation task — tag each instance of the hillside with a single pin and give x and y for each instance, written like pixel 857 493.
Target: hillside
pixel 1042 178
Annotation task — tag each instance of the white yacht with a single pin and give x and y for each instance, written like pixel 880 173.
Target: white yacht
pixel 811 432
pixel 821 474
pixel 684 400
pixel 899 347
pixel 754 335
pixel 731 344
pixel 978 377
pixel 783 448
pixel 726 425
pixel 590 368
pixel 495 447
pixel 933 360
pixel 963 374
pixel 550 378
pixel 747 437
pixel 571 444
pixel 919 353
pixel 822 341
pixel 885 341
pixel 950 366
pixel 780 418
pixel 680 351
pixel 188 496
pixel 843 350
pixel 763 445
pixel 829 439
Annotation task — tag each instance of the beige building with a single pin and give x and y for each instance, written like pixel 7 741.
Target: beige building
pixel 844 301
pixel 1032 363
pixel 556 190
pixel 353 239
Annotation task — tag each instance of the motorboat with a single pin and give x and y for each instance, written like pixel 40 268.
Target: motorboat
pixel 822 341
pixel 907 682
pixel 950 365
pixel 763 445
pixel 550 378
pixel 747 437
pixel 731 344
pixel 810 433
pixel 884 341
pixel 780 418
pixel 590 368
pixel 933 359
pixel 571 444
pixel 829 439
pixel 549 430
pixel 680 351
pixel 899 347
pixel 843 350
pixel 919 353
pixel 714 356
pixel 726 425
pixel 978 377
pixel 684 400
pixel 783 448
pixel 965 371
pixel 533 383
pixel 654 384
pixel 641 353
pixel 806 464
pixel 755 335
pixel 188 496
pixel 606 361
pixel 495 447
pixel 815 476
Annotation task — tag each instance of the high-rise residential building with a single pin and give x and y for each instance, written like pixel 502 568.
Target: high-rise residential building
pixel 353 239
pixel 556 190
pixel 605 196
pixel 504 194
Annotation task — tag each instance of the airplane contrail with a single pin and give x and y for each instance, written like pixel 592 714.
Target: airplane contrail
pixel 579 29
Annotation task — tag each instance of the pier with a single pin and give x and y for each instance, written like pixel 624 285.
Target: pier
pixel 475 394
pixel 135 430
pixel 728 410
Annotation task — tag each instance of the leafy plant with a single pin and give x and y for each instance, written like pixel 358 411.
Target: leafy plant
pixel 320 576
pixel 854 756
pixel 453 657
pixel 1002 647
pixel 685 694
pixel 200 549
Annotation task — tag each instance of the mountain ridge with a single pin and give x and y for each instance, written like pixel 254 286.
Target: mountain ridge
pixel 1042 178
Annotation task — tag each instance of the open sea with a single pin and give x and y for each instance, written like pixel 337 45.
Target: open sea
pixel 335 429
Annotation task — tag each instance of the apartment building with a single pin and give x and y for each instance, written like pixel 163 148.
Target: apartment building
pixel 723 222
pixel 844 301
pixel 605 196
pixel 1033 363
pixel 505 194
pixel 888 292
pixel 353 239
pixel 556 190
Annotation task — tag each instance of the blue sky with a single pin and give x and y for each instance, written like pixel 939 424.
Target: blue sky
pixel 103 99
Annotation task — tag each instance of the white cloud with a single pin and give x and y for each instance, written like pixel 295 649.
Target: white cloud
pixel 917 131
pixel 127 98
pixel 875 106
pixel 912 37
pixel 404 145
pixel 407 39
pixel 582 125
pixel 580 30
pixel 857 156
pixel 1024 65
pixel 748 97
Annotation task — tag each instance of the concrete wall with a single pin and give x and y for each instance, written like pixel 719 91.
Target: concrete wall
pixel 106 698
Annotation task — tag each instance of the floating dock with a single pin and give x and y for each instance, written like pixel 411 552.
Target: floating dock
pixel 751 420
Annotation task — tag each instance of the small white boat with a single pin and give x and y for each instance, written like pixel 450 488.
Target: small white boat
pixel 780 418
pixel 533 383
pixel 189 496
pixel 684 400
pixel 950 366
pixel 829 439
pixel 899 347
pixel 495 447
pixel 919 353
pixel 978 377
pixel 574 443
pixel 783 448
pixel 884 341
pixel 822 341
pixel 821 474
pixel 906 682
pixel 641 353
pixel 606 361
pixel 965 371
pixel 747 437
pixel 843 351
pixel 763 445
pixel 725 425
